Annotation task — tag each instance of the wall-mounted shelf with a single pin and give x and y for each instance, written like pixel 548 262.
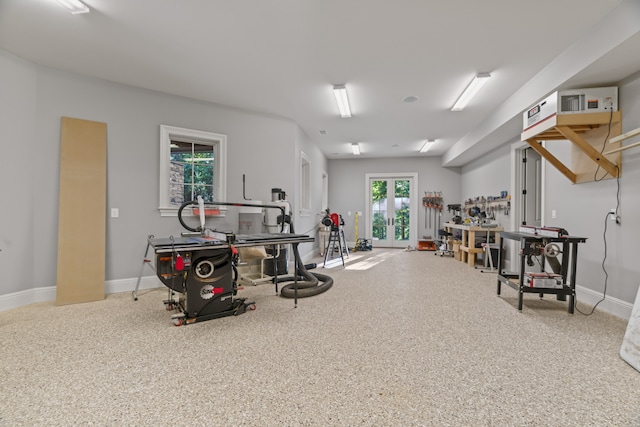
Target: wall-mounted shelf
pixel 621 138
pixel 588 133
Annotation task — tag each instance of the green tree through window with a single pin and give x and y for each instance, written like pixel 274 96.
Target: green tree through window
pixel 402 211
pixel 192 172
pixel 379 199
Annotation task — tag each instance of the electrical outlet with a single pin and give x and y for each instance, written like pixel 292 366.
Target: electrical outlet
pixel 608 103
pixel 613 216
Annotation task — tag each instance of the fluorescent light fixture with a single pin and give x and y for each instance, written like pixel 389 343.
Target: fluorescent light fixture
pixel 355 148
pixel 74 6
pixel 427 145
pixel 478 81
pixel 340 92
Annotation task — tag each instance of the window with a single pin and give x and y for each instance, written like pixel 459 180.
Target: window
pixel 192 163
pixel 305 183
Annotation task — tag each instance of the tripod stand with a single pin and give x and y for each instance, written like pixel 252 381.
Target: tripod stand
pixel 336 240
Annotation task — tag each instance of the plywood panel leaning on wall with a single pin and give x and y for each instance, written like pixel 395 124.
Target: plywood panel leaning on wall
pixel 82 211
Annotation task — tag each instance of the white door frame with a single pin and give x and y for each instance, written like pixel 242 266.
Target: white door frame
pixel 413 206
pixel 516 194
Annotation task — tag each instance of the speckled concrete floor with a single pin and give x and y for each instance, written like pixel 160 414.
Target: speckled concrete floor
pixel 401 339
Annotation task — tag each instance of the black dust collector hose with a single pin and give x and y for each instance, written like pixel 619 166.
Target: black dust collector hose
pixel 314 284
pixel 306 288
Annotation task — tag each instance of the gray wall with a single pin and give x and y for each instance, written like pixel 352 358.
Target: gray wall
pixel 489 176
pixel 17 135
pixel 34 100
pixel 582 208
pixel 307 223
pixel 267 150
pixel 347 186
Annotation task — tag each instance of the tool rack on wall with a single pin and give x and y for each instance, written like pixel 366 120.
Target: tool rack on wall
pixel 433 203
pixel 489 204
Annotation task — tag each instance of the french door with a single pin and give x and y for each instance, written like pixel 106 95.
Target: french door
pixel 392 209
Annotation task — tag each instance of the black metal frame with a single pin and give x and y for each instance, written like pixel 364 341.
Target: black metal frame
pixel 527 243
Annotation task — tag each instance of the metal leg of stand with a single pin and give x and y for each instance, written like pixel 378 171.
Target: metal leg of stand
pixel 488 260
pixel 487 254
pixel 145 261
pixel 295 277
pixel 334 237
pixel 326 250
pixel 344 241
pixel 275 266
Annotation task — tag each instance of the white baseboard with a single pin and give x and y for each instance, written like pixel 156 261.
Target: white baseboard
pixel 611 305
pixel 48 294
pixel 129 285
pixel 30 296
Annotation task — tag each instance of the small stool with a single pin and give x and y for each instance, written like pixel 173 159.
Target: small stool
pixel 444 248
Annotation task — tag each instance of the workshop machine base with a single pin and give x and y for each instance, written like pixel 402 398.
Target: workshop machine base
pixel 204 280
pixel 238 307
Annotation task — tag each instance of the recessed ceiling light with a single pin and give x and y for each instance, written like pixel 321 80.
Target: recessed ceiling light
pixel 410 98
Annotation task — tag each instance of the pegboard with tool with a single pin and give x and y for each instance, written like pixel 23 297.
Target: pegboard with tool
pixel 433 204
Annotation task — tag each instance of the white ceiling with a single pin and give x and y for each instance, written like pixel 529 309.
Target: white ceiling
pixel 281 57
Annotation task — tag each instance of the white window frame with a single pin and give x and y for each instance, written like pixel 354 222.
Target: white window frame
pixel 218 141
pixel 305 183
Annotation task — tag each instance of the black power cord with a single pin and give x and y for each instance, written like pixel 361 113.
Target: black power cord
pixel 606 274
pixel 604 143
pixel 606 218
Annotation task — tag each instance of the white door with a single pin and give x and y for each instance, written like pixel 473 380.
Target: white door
pixel 392 210
pixel 532 188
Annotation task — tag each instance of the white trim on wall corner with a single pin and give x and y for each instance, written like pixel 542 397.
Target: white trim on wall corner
pixel 48 294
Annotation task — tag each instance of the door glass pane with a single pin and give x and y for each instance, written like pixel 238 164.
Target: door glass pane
pixel 379 209
pixel 401 205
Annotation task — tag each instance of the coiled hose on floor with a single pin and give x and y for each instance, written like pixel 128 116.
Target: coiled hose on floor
pixel 309 284
pixel 314 284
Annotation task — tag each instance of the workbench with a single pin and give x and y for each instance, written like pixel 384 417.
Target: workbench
pixel 468 246
pixel 530 245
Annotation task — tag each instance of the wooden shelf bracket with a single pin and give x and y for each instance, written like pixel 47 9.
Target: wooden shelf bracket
pixel 586 148
pixel 585 132
pixel 538 148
